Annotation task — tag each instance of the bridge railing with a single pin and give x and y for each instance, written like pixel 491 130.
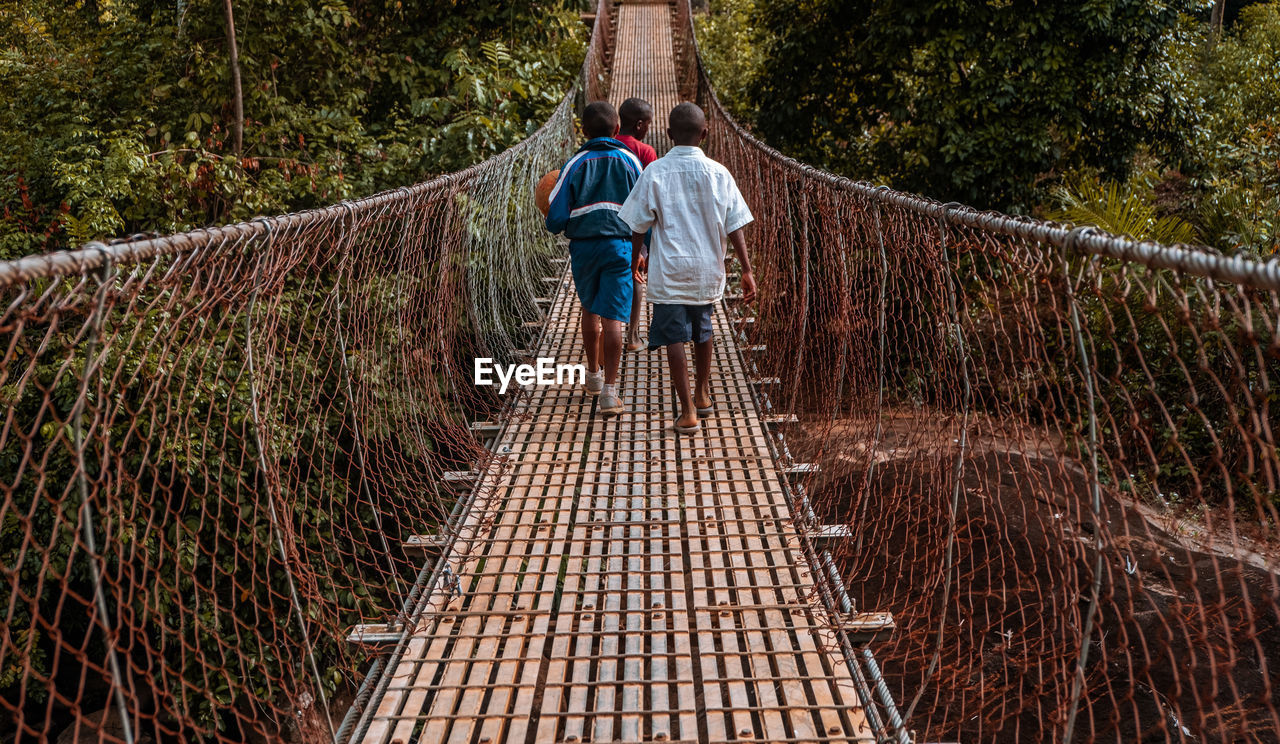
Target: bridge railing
pixel 214 444
pixel 1053 451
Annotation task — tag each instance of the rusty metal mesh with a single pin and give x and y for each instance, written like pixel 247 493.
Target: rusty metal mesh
pixel 1054 452
pixel 213 445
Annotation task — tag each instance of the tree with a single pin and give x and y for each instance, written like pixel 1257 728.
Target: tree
pixel 156 115
pixel 233 53
pixel 965 99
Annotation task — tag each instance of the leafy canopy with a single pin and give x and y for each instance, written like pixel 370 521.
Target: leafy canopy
pixel 117 113
pixel 972 100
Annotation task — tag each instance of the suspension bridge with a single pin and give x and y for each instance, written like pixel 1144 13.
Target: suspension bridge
pixel 970 476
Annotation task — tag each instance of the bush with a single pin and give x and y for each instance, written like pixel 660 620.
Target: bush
pixel 118 121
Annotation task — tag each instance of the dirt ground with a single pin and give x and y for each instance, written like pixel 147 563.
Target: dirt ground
pixel 1185 645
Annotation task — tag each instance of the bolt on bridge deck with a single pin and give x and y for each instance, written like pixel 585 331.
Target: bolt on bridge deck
pixel 618 582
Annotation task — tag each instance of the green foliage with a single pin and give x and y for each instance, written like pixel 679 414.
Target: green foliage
pixel 732 47
pixel 119 121
pixel 1010 105
pixel 116 121
pixel 1232 154
pixel 200 546
pixel 966 100
pixel 1122 209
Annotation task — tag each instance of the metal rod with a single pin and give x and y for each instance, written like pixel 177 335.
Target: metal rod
pixel 885 697
pixel 86 521
pixel 957 470
pixel 865 490
pixel 837 582
pixel 266 475
pixel 1095 491
pixel 356 434
pixel 362 699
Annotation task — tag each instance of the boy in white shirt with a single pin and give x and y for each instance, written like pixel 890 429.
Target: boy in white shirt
pixel 695 210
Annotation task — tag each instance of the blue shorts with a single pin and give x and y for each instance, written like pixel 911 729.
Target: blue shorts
pixel 676 324
pixel 602 276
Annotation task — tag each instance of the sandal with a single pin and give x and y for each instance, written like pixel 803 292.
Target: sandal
pixel 694 429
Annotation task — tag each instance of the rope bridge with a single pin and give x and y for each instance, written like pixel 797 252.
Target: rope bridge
pixel 249 491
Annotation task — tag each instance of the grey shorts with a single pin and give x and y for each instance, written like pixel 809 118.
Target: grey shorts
pixel 677 324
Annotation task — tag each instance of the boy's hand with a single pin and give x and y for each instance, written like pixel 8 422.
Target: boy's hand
pixel 739 243
pixel 641 269
pixel 748 287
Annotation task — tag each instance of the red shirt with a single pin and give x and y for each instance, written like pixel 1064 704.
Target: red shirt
pixel 644 152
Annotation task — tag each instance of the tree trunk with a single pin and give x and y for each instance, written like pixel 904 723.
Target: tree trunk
pixel 235 80
pixel 1216 19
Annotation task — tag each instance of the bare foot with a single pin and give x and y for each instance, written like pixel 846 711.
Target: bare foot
pixel 635 346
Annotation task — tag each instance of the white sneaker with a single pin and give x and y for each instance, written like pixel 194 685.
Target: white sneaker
pixel 610 402
pixel 595 382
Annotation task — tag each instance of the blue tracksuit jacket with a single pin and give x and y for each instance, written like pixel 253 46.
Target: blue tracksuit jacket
pixel 591 189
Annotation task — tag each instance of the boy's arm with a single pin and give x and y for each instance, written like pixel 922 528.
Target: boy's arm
pixel 739 243
pixel 639 265
pixel 638 213
pixel 558 211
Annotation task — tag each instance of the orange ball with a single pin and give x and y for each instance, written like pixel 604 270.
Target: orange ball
pixel 542 192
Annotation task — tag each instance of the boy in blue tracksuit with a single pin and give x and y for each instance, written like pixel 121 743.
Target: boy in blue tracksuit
pixel 584 206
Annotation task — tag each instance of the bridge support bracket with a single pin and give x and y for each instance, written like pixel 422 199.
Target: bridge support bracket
pixel 778 420
pixel 801 469
pixel 863 628
pixel 423 547
pixel 460 480
pixel 378 637
pixel 825 537
pixel 485 429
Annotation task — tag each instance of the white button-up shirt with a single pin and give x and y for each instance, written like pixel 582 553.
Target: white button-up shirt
pixel 692 204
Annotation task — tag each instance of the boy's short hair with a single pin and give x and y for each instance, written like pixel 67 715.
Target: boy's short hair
pixel 686 121
pixel 599 120
pixel 633 111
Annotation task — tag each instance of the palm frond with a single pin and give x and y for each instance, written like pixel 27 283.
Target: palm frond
pixel 1120 209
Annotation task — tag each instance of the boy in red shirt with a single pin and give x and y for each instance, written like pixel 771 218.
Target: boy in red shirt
pixel 636 115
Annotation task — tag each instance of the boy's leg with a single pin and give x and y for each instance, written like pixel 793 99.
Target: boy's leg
pixel 703 344
pixel 702 363
pixel 611 349
pixel 679 367
pixel 670 326
pixel 633 328
pixel 610 304
pixel 591 339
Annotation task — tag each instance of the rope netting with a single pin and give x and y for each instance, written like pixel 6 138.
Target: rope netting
pixel 1053 452
pixel 215 443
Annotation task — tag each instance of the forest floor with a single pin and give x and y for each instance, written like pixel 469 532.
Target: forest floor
pixel 1187 637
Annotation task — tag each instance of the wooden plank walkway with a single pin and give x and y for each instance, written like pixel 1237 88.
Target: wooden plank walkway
pixel 620 583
